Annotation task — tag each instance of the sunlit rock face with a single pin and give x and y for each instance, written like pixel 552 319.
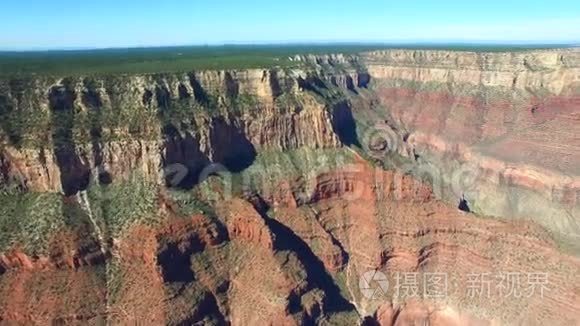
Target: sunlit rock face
pixel 336 192
pixel 498 129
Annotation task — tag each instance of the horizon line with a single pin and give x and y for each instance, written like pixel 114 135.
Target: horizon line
pixel 515 43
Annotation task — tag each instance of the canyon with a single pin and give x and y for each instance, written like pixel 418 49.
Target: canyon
pixel 267 196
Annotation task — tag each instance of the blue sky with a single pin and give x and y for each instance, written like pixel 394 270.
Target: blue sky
pixel 41 24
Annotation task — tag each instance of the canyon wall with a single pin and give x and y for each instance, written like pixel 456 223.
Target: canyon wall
pixel 498 131
pixel 56 131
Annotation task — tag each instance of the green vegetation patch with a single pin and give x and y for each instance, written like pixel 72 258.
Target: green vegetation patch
pixel 272 167
pixel 20 119
pixel 189 203
pixel 29 219
pixel 114 276
pixel 126 203
pixel 165 59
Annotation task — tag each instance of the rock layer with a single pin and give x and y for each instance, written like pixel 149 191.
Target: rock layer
pixel 497 129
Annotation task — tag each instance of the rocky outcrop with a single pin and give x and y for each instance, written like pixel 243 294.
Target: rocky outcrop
pixel 244 223
pixel 415 312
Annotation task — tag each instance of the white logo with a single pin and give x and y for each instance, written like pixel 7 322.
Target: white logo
pixel 380 140
pixel 465 179
pixel 379 286
pixel 175 173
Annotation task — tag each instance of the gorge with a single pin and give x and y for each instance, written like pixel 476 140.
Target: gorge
pixel 263 196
